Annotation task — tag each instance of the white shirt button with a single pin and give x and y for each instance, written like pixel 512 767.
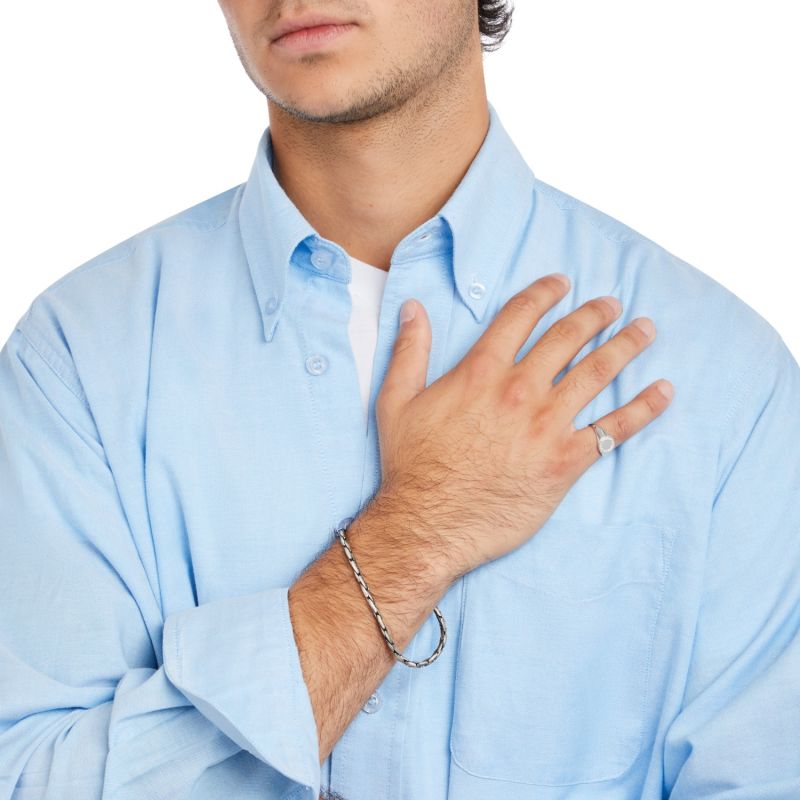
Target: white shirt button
pixel 316 364
pixel 321 258
pixel 476 290
pixel 372 705
pixel 271 304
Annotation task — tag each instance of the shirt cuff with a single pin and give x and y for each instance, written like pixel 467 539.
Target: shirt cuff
pixel 236 660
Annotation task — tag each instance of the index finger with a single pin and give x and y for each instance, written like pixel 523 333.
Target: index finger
pixel 515 321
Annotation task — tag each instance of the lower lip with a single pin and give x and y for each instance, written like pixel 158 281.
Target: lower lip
pixel 312 38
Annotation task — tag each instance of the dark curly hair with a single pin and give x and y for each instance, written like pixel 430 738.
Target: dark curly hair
pixel 494 21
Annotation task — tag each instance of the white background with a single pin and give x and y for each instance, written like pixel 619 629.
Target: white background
pixel 680 119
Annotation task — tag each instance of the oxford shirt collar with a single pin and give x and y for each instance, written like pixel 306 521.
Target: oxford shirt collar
pixel 485 216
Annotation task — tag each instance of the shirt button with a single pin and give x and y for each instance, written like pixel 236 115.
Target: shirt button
pixel 316 364
pixel 476 290
pixel 423 236
pixel 372 705
pixel 271 304
pixel 321 258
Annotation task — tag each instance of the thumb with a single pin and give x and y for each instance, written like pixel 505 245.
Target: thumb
pixel 408 367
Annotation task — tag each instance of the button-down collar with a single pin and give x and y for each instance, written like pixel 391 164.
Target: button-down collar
pixel 484 214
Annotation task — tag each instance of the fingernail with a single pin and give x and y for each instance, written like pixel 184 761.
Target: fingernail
pixel 562 277
pixel 408 311
pixel 666 389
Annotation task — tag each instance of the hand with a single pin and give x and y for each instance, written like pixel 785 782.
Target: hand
pixel 482 456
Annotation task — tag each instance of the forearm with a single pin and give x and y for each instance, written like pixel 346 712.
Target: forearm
pixel 343 655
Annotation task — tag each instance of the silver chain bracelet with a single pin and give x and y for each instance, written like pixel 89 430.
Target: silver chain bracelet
pixel 340 532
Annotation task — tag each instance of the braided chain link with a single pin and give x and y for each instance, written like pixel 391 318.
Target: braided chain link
pixel 340 532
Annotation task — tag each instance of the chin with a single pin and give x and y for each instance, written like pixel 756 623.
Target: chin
pixel 314 102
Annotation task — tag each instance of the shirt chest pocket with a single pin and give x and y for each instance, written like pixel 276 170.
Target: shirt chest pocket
pixel 554 654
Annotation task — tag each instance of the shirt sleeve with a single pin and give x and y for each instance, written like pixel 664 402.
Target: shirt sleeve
pixel 86 709
pixel 738 732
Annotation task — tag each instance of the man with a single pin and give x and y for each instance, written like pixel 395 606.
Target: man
pixel 234 488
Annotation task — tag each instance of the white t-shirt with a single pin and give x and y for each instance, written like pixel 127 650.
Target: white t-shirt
pixel 366 292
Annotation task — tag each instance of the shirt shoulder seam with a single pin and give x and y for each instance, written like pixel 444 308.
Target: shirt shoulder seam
pixel 739 397
pixel 627 233
pixel 738 401
pixel 57 364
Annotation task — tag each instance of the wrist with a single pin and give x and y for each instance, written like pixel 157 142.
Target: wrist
pixel 393 531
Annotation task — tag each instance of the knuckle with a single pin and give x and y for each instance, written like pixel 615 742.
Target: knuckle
pixel 516 392
pixel 402 343
pixel 600 308
pixel 624 427
pixel 552 283
pixel 632 335
pixel 480 366
pixel 523 303
pixel 601 367
pixel 653 402
pixel 570 387
pixel 566 329
pixel 541 422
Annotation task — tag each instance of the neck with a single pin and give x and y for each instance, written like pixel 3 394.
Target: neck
pixel 367 184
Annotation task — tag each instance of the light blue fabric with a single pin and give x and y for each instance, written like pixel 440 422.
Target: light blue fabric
pixel 181 431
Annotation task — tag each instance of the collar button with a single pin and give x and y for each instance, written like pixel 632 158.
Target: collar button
pixel 321 258
pixel 476 290
pixel 271 304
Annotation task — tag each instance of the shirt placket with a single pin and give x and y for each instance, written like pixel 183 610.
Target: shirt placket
pixel 367 759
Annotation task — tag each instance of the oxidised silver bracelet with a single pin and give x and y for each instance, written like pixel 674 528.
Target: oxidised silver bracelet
pixel 340 532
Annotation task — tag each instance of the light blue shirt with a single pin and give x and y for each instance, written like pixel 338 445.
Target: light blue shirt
pixel 181 432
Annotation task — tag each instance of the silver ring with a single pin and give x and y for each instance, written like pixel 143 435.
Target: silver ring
pixel 605 443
